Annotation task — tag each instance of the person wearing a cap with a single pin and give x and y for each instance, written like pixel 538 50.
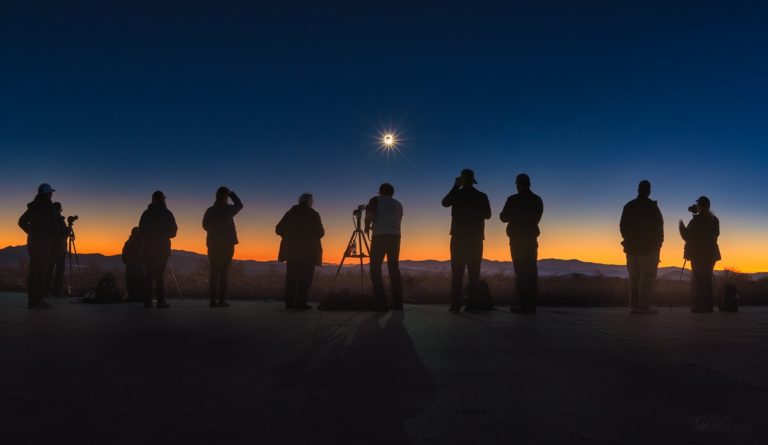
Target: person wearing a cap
pixel 41 226
pixel 157 226
pixel 702 251
pixel 469 210
pixel 522 213
pixel 642 228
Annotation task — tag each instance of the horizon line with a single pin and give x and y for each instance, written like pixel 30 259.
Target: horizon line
pixel 402 260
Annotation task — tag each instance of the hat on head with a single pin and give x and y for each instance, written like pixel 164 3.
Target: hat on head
pixel 704 202
pixel 44 189
pixel 468 176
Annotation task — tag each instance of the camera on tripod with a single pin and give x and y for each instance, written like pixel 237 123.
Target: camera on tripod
pixel 71 219
pixel 359 210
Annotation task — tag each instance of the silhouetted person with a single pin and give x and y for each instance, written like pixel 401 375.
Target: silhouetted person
pixel 522 213
pixel 40 224
pixel 642 228
pixel 384 215
pixel 54 277
pixel 219 222
pixel 157 226
pixel 134 269
pixel 702 251
pixel 301 230
pixel 469 210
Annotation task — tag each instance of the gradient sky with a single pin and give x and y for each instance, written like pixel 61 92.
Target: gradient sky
pixel 109 101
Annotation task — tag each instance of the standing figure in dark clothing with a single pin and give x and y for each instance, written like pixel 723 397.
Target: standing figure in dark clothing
pixel 702 251
pixel 384 214
pixel 469 210
pixel 300 247
pixel 54 277
pixel 40 224
pixel 219 222
pixel 642 228
pixel 156 227
pixel 134 271
pixel 522 213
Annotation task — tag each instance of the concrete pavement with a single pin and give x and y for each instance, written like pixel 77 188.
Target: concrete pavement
pixel 253 373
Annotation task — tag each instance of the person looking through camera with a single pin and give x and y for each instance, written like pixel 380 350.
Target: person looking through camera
pixel 702 251
pixel 383 216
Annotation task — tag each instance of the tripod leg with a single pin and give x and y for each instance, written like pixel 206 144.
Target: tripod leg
pixel 344 257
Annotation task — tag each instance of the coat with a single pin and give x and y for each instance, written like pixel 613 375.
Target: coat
pixel 40 223
pixel 522 213
pixel 642 226
pixel 301 230
pixel 701 238
pixel 469 210
pixel 219 223
pixel 157 226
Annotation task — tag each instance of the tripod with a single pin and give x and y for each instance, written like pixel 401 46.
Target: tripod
pixel 72 251
pixel 356 248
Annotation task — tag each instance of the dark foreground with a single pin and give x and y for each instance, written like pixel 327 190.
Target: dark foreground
pixel 253 373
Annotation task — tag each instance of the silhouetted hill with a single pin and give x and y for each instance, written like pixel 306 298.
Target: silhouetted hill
pixel 186 262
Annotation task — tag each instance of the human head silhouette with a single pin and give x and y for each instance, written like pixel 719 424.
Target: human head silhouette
pixel 386 189
pixel 644 188
pixel 523 182
pixel 703 204
pixel 222 194
pixel 158 197
pixel 306 199
pixel 467 178
pixel 45 190
pixel 134 232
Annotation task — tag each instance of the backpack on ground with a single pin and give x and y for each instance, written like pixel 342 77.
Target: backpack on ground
pixel 106 291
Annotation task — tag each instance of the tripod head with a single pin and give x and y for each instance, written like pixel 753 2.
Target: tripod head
pixel 70 229
pixel 357 215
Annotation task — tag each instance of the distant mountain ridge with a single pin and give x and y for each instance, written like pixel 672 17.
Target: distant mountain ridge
pixel 185 262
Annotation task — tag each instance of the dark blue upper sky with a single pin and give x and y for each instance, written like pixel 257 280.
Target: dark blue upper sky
pixel 280 97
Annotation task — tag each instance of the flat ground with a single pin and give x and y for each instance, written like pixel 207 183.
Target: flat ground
pixel 253 373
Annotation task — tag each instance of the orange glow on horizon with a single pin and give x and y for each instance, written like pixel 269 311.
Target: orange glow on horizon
pixel 419 243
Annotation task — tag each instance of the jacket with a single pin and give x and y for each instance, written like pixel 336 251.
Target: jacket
pixel 132 251
pixel 469 210
pixel 701 238
pixel 40 224
pixel 219 222
pixel 157 226
pixel 522 213
pixel 301 230
pixel 642 226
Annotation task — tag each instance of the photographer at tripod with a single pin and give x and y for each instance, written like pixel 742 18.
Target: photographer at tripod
pixel 383 215
pixel 701 249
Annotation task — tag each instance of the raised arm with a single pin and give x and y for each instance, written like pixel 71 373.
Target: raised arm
pixel 370 214
pixel 238 205
pixel 448 200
